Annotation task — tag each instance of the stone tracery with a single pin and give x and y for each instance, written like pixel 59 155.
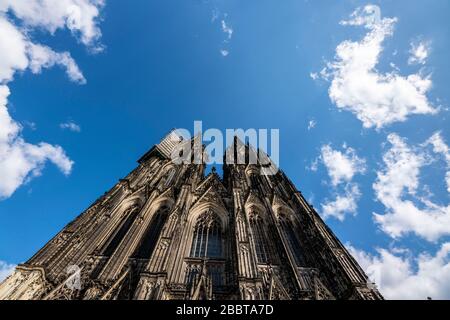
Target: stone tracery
pixel 168 232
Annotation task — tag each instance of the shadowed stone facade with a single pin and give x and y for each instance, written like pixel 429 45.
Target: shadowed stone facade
pixel 168 232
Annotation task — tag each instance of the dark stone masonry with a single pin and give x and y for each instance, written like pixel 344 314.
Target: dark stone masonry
pixel 167 231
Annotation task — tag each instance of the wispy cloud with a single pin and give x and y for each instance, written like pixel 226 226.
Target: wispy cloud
pixel 215 15
pixel 31 125
pixel 226 29
pixel 71 126
pixel 44 57
pixel 419 53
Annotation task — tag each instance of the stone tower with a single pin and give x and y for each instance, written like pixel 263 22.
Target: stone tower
pixel 168 232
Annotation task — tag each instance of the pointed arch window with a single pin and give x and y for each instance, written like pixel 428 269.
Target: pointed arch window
pixel 292 240
pixel 207 240
pixel 114 241
pixel 151 235
pixel 260 239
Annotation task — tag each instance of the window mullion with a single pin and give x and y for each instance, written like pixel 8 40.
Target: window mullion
pixel 207 240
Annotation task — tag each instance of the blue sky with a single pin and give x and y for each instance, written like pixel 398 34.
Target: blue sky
pixel 150 66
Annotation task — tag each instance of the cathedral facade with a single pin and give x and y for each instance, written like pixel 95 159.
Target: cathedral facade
pixel 167 231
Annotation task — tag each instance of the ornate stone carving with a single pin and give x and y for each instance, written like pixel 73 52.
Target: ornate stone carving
pixel 24 285
pixel 204 246
pixel 93 293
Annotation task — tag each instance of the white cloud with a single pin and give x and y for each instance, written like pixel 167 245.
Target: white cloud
pixel 5 270
pixel 21 161
pixel 396 188
pixel 71 126
pixel 345 203
pixel 13 50
pixel 440 147
pixel 311 124
pixel 214 15
pixel 31 125
pixel 44 57
pixel 400 276
pixel 342 166
pixel 79 16
pixel 314 165
pixel 357 86
pixel 228 30
pixel 419 53
pixel 18 52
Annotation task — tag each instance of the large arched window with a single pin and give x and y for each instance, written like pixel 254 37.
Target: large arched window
pixel 207 240
pixel 120 232
pixel 260 235
pixel 292 240
pixel 151 235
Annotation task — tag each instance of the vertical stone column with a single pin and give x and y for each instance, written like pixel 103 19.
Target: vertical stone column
pixel 128 245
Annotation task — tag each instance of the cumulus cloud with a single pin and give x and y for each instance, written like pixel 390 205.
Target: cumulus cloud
pixel 419 53
pixel 71 126
pixel 341 166
pixel 377 99
pixel 79 16
pixel 13 50
pixel 5 270
pixel 399 275
pixel 345 203
pixel 396 188
pixel 21 161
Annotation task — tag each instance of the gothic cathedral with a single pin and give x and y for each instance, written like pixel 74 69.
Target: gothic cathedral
pixel 168 232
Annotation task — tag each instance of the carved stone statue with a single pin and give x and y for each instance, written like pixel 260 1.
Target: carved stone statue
pixel 167 231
